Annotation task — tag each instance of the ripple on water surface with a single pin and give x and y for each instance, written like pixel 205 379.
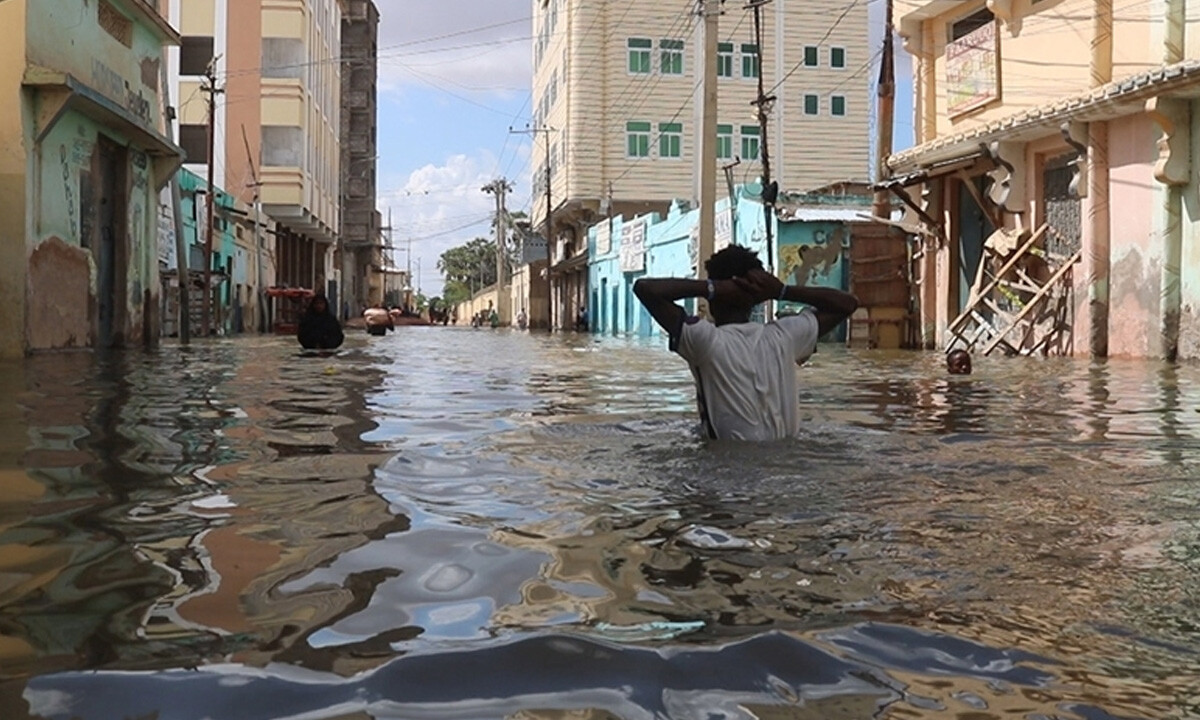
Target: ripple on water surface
pixel 463 524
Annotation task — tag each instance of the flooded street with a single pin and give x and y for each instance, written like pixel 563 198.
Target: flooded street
pixel 448 523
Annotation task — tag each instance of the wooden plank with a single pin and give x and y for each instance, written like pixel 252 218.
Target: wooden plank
pixel 1013 259
pixel 1037 299
pixel 996 220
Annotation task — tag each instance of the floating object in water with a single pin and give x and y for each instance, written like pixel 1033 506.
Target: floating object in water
pixel 707 538
pixel 330 370
pixel 656 630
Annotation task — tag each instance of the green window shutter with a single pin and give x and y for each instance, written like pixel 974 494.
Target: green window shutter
pixel 810 56
pixel 812 104
pixel 749 60
pixel 837 57
pixel 837 105
pixel 639 55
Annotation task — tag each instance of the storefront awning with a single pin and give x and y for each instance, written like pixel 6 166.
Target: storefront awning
pixel 1107 102
pixel 61 92
pixel 571 265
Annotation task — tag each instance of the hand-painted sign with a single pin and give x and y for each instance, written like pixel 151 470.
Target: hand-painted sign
pixel 633 247
pixel 972 70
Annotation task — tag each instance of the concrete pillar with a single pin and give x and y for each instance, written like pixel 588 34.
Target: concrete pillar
pixel 1092 320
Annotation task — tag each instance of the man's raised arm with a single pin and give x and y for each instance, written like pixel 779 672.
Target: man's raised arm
pixel 660 296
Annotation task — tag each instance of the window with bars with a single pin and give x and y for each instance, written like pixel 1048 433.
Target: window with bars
pixel 639 55
pixel 195 53
pixel 971 23
pixel 671 57
pixel 194 141
pixel 637 139
pixel 670 140
pixel 750 60
pixel 725 60
pixel 750 135
pixel 724 142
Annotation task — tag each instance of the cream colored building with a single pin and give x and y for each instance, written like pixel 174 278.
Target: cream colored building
pixel 617 84
pixel 1076 115
pixel 279 116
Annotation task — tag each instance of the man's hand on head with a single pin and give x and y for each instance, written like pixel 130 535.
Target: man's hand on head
pixel 760 285
pixel 733 293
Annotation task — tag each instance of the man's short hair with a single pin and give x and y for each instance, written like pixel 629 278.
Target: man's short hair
pixel 733 261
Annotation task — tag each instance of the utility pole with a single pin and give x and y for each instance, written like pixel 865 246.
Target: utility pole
pixel 210 88
pixel 386 255
pixel 408 274
pixel 181 246
pixel 545 132
pixel 733 200
pixel 261 299
pixel 711 11
pixel 500 188
pixel 763 103
pixel 886 111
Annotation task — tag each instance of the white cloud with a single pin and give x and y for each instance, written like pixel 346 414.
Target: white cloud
pixel 469 47
pixel 441 206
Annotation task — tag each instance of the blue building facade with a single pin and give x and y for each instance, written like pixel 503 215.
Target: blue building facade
pixel 811 247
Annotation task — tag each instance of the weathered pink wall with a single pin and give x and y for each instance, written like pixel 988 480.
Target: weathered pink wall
pixel 1136 248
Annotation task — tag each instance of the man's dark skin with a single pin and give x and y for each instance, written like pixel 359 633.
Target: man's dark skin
pixel 734 299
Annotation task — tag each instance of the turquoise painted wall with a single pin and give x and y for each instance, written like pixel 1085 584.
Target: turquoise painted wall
pixel 225 249
pixel 118 57
pixel 813 252
pixel 66 35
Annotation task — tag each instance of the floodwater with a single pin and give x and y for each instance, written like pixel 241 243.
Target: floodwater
pixel 456 523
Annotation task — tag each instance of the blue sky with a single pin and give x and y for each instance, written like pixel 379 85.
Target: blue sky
pixel 454 77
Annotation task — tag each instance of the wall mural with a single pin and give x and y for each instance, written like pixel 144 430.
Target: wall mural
pixel 804 263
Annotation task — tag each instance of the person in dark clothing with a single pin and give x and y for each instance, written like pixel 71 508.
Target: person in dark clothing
pixel 319 328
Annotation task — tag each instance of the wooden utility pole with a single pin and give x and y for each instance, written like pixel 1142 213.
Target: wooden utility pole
pixel 885 116
pixel 181 245
pixel 210 88
pixel 762 104
pixel 500 188
pixel 711 12
pixel 545 131
pixel 261 299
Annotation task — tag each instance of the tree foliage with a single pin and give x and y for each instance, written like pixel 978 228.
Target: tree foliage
pixel 472 264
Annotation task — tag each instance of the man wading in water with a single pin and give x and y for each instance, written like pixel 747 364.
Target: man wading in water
pixel 745 372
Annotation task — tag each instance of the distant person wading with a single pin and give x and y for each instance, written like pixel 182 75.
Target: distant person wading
pixel 319 328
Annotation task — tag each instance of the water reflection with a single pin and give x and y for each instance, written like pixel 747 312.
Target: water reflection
pixel 457 523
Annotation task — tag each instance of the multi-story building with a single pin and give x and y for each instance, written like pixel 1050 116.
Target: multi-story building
pixel 361 247
pixel 617 90
pixel 84 159
pixel 277 65
pixel 1065 126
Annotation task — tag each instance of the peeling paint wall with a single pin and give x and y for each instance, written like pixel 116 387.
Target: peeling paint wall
pixel 65 209
pixel 1136 243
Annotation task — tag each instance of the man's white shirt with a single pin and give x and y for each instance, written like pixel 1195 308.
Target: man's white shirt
pixel 746 374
